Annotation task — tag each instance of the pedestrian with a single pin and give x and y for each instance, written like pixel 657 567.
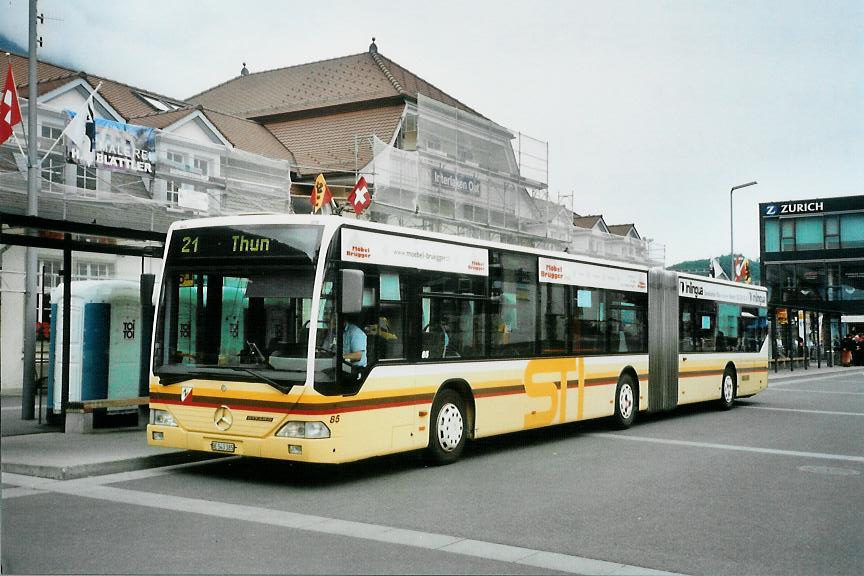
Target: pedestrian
pixel 847 346
pixel 858 352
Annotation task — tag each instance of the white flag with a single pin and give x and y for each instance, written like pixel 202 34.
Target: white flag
pixel 717 270
pixel 81 131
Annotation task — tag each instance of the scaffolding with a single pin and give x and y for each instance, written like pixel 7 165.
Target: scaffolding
pixel 455 172
pixel 231 181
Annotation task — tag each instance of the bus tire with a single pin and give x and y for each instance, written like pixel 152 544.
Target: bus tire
pixel 447 428
pixel 727 389
pixel 626 403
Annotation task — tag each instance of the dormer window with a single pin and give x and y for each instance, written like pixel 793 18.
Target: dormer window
pixel 158 103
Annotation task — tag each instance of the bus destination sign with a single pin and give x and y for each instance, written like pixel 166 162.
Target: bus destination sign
pixel 245 242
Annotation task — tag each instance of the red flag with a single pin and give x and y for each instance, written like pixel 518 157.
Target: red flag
pixel 359 197
pixel 320 194
pixel 10 112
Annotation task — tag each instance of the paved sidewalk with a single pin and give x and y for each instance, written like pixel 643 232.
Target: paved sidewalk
pixel 811 372
pixel 43 450
pixel 65 456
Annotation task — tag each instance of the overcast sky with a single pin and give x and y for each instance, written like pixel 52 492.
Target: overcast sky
pixel 652 109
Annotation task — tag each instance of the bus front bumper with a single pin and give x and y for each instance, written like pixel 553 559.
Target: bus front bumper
pixel 318 450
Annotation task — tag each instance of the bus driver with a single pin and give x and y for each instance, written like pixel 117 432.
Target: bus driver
pixel 353 344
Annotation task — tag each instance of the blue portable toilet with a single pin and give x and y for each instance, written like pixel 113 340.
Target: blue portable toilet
pixel 104 343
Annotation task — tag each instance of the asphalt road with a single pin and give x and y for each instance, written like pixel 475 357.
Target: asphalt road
pixel 774 486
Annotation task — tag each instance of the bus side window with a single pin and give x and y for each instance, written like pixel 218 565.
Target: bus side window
pixel 389 328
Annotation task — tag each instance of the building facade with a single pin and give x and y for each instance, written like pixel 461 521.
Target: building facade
pixel 256 143
pixel 812 258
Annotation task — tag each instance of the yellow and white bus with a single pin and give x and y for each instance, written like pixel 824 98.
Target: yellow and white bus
pixel 463 339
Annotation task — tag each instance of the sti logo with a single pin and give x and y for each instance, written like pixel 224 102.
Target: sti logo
pixel 771 210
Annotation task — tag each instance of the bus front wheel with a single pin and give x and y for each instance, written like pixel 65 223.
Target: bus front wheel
pixel 727 389
pixel 446 428
pixel 626 402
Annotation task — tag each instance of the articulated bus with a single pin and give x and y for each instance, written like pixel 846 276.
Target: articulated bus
pixel 325 339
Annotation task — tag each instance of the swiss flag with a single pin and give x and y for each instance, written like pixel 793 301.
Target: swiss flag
pixel 10 112
pixel 359 197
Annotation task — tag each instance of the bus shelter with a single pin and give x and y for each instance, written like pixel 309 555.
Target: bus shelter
pixel 70 237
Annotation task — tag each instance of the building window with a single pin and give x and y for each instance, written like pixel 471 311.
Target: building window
pixel 787 235
pixel 177 159
pixel 93 270
pixel 173 192
pixel 852 230
pixel 86 178
pixel 772 235
pixel 52 172
pixel 832 232
pixel 50 133
pixel 52 275
pixel 201 165
pixel 809 234
pixel 852 279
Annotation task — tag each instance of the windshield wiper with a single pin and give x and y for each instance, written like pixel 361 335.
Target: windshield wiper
pixel 218 373
pixel 281 387
pixel 166 377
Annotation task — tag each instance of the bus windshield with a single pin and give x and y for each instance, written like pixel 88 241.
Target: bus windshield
pixel 236 305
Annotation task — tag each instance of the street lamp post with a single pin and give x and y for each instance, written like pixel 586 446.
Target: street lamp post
pixel 731 230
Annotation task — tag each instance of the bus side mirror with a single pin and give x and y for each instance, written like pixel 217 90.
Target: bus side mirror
pixel 352 291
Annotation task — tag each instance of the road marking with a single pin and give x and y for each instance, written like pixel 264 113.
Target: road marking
pixel 362 530
pixel 19 491
pixel 804 411
pixel 816 455
pixel 793 380
pixel 814 391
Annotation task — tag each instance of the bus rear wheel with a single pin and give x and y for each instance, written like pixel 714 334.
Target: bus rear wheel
pixel 626 402
pixel 727 389
pixel 446 428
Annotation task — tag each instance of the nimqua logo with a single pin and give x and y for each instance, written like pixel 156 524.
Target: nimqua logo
pixel 690 288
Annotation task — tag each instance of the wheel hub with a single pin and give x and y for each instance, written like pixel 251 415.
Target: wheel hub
pixel 450 427
pixel 625 401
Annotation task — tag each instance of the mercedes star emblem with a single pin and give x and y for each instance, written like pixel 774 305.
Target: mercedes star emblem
pixel 222 418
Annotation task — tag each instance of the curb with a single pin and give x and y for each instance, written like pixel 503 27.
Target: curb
pixel 814 373
pixel 101 468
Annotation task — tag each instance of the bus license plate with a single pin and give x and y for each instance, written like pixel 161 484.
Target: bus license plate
pixel 222 447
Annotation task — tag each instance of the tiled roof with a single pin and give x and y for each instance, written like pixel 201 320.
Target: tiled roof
pixel 122 97
pixel 587 221
pixel 241 133
pixel 622 229
pixel 327 142
pixel 249 136
pixel 340 81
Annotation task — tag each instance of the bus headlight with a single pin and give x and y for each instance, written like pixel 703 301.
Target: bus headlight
pixel 295 429
pixel 162 418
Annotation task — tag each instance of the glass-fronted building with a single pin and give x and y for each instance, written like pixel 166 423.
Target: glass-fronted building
pixel 812 257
